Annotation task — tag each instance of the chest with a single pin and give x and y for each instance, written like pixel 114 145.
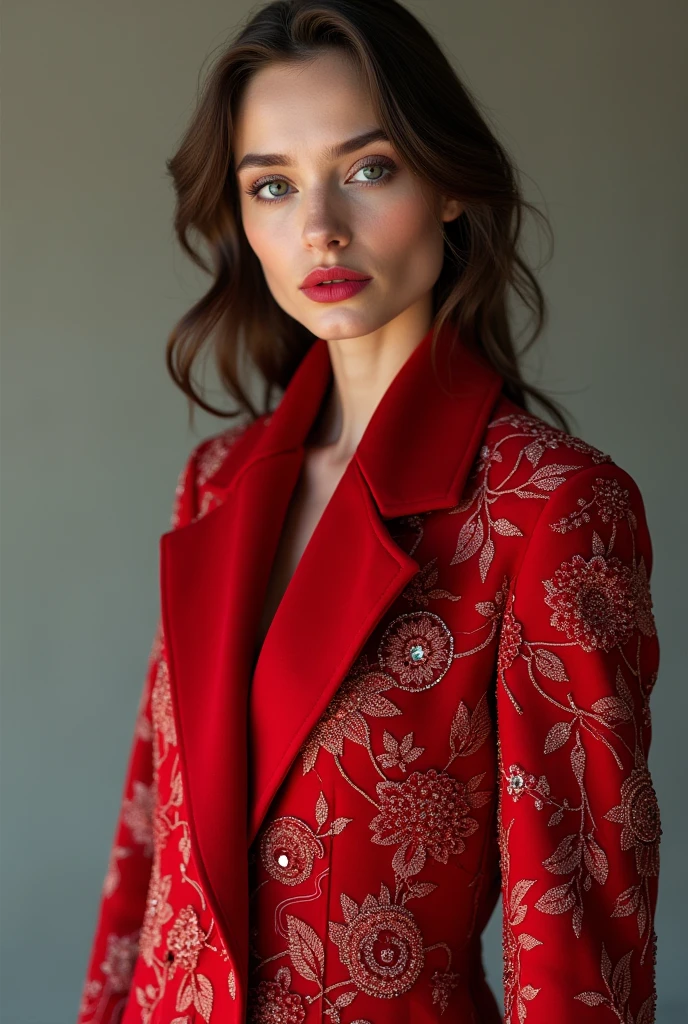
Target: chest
pixel 316 484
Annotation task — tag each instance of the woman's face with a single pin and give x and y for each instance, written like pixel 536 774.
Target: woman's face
pixel 362 209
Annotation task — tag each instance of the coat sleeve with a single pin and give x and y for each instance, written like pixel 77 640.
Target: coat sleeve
pixel 114 946
pixel 578 817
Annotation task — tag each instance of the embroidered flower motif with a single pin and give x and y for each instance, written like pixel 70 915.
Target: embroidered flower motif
pixel 417 649
pixel 642 598
pixel 429 811
pixel 442 984
pixel 509 641
pixel 288 848
pixel 638 812
pixel 112 874
pixel 185 941
pixel 359 694
pixel 120 958
pixel 550 437
pixel 137 814
pixel 89 996
pixel 161 704
pixel 380 945
pixel 611 498
pixel 423 586
pixel 271 1002
pixel 158 912
pixel 593 602
pixel 398 755
pixel 519 781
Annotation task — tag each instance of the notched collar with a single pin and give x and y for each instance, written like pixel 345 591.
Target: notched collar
pixel 421 440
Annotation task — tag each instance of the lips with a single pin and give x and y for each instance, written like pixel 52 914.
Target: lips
pixel 338 273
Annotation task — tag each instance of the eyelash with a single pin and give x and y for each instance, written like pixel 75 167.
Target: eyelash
pixel 378 161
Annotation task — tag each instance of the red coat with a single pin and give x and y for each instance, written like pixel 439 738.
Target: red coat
pixel 451 701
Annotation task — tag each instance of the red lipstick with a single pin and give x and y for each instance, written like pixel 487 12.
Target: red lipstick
pixel 344 283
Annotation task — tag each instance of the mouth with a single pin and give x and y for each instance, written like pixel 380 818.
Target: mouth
pixel 336 290
pixel 329 276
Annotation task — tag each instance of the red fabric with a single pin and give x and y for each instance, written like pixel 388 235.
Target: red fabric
pixel 452 701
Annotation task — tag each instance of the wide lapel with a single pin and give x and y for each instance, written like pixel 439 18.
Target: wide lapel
pixel 239 731
pixel 213 577
pixel 414 456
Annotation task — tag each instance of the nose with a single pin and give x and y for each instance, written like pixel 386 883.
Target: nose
pixel 324 223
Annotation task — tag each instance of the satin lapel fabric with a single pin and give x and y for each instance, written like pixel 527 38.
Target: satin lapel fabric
pixel 240 728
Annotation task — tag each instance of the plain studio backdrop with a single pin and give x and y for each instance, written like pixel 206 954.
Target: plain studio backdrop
pixel 589 97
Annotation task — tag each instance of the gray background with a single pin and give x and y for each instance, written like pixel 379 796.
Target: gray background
pixel 590 98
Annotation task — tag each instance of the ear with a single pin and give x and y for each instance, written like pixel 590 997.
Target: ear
pixel 450 209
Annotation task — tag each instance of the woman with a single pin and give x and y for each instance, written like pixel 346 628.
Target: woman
pixel 406 644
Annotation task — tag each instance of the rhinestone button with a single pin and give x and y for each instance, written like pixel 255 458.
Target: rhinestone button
pixel 417 653
pixel 283 860
pixel 516 781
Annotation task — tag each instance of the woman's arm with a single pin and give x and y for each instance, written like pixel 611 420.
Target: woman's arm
pixel 579 823
pixel 114 946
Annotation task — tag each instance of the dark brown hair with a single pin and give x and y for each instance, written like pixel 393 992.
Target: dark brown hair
pixel 439 132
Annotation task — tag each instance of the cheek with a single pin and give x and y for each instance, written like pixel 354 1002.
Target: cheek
pixel 408 240
pixel 406 221
pixel 259 237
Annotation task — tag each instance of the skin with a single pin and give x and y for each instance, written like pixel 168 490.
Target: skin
pixel 328 210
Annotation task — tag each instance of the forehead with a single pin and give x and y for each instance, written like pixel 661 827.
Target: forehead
pixel 301 109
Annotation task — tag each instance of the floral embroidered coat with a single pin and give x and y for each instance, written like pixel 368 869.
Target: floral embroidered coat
pixel 452 702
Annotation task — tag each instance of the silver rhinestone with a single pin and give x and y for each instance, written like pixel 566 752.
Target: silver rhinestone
pixel 516 781
pixel 283 860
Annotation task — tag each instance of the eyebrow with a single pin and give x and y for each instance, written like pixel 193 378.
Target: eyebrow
pixel 331 152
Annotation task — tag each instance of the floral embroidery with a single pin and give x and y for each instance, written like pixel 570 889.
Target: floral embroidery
pixel 510 641
pixel 423 587
pixel 476 534
pixel 520 782
pixel 513 914
pixel 638 812
pixel 429 811
pixel 601 604
pixel 178 951
pixel 612 501
pixel 618 985
pixel 360 693
pixel 272 1002
pixel 288 848
pixel 396 754
pixel 642 601
pixel 417 650
pixel 112 874
pixel 546 437
pixel 185 941
pixel 120 957
pixel 380 945
pixel 593 601
pixel 443 982
pixel 158 912
pixel 137 815
pixel 161 705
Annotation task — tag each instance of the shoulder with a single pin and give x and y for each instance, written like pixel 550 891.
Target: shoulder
pixel 536 492
pixel 587 553
pixel 193 489
pixel 523 438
